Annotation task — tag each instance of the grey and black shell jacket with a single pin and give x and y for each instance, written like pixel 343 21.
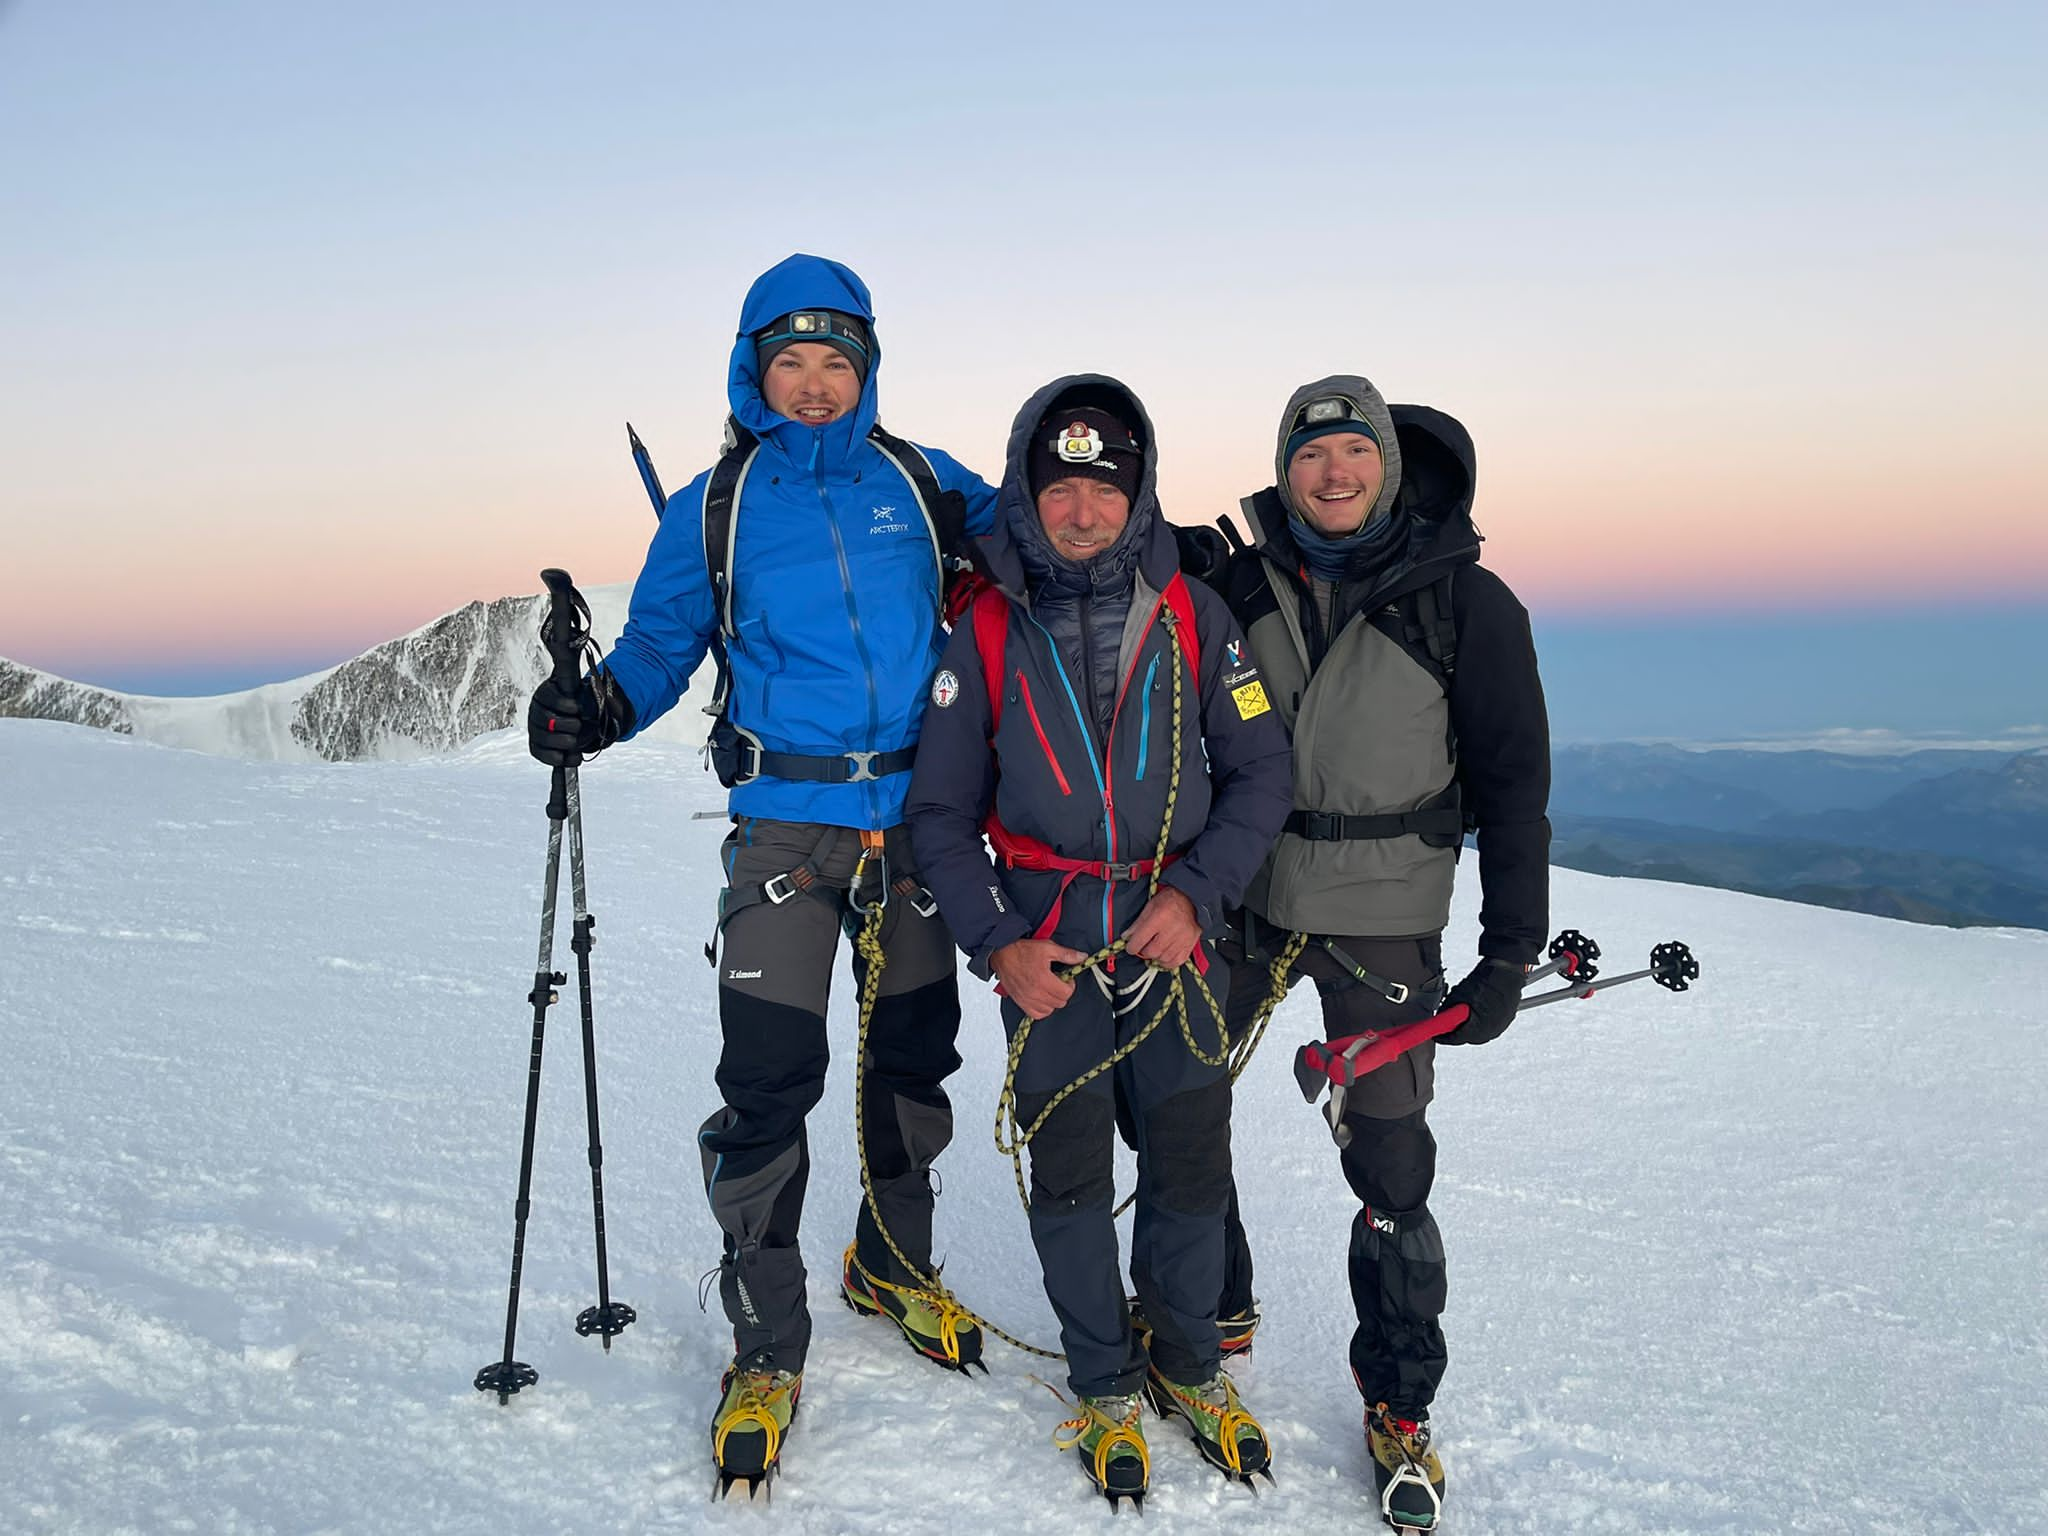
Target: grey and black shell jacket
pixel 1377 729
pixel 1081 760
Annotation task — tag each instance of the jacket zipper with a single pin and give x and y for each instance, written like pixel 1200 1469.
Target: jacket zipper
pixel 1031 709
pixel 860 644
pixel 1145 725
pixel 1108 780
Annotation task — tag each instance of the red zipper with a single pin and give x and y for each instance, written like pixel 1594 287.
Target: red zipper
pixel 1031 709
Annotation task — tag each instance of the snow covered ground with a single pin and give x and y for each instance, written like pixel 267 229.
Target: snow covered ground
pixel 1768 1256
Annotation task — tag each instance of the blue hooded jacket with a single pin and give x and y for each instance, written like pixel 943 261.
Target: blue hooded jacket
pixel 835 595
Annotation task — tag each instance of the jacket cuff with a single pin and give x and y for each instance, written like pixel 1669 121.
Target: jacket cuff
pixel 1514 951
pixel 1197 890
pixel 1003 933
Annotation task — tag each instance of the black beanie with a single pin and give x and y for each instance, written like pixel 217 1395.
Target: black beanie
pixel 1090 443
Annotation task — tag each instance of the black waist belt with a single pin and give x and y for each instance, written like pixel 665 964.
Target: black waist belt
pixel 835 768
pixel 1325 827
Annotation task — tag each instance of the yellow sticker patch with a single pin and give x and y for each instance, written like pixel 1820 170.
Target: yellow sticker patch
pixel 1251 700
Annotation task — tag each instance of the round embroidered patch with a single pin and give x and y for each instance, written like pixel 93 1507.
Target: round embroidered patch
pixel 945 689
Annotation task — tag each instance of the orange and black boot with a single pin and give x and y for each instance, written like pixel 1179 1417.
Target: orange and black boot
pixel 1406 1471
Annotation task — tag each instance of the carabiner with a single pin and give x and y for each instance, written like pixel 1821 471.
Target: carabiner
pixel 870 849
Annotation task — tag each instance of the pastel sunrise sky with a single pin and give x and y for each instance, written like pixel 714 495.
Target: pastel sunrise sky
pixel 318 321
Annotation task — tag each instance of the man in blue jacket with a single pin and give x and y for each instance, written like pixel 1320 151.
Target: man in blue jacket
pixel 812 555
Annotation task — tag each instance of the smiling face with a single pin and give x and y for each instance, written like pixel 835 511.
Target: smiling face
pixel 810 382
pixel 1334 480
pixel 1082 516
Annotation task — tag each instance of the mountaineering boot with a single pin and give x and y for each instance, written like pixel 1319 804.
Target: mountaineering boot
pixel 1108 1433
pixel 1228 1438
pixel 936 1326
pixel 1233 1333
pixel 1406 1471
pixel 753 1418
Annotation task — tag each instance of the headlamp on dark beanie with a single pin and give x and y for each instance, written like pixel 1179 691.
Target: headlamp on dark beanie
pixel 1086 443
pixel 844 333
pixel 1321 418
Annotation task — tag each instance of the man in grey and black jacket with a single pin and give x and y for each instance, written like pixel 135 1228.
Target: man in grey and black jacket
pixel 1406 674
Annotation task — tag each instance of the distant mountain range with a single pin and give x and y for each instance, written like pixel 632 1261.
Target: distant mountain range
pixel 1947 835
pixel 1950 836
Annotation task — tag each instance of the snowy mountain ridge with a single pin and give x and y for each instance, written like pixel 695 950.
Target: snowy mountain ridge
pixel 426 693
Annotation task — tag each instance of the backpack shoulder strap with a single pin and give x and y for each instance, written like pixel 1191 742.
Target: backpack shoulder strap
pixel 991 641
pixel 1439 632
pixel 945 517
pixel 1180 602
pixel 721 501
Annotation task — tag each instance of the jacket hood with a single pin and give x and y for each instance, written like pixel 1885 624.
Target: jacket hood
pixel 801 282
pixel 1439 475
pixel 1019 554
pixel 1373 407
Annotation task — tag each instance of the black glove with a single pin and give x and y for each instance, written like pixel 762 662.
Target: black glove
pixel 1492 993
pixel 563 726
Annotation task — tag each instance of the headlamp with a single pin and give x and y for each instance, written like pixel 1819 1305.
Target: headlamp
pixel 814 325
pixel 1331 408
pixel 1082 444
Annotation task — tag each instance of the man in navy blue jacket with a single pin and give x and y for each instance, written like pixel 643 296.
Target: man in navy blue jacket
pixel 1095 709
pixel 830 621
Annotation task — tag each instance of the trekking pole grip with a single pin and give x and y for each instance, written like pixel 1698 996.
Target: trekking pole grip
pixel 562 633
pixel 564 630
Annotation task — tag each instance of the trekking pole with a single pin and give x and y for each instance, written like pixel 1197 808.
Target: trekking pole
pixel 509 1375
pixel 1341 1063
pixel 567 635
pixel 1671 966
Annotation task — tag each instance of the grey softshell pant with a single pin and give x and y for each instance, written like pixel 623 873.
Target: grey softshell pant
pixel 775 974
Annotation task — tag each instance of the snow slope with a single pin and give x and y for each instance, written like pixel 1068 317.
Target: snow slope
pixel 449 681
pixel 1767 1256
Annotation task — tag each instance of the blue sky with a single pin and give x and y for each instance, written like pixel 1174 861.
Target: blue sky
pixel 321 321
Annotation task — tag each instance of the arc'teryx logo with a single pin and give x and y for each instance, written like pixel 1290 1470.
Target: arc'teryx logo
pixel 885 521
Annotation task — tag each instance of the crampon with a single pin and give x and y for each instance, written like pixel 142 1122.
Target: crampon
pixel 754 1415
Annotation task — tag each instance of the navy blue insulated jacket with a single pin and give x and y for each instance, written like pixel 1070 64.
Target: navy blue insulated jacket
pixel 1053 770
pixel 835 593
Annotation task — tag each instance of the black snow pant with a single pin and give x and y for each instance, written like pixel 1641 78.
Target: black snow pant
pixel 775 973
pixel 1178 1114
pixel 1396 1257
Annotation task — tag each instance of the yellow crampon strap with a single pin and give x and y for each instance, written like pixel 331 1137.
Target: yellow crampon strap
pixel 750 1410
pixel 1235 1419
pixel 1115 1435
